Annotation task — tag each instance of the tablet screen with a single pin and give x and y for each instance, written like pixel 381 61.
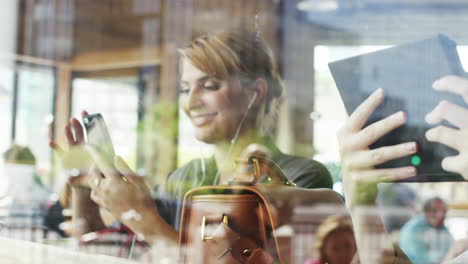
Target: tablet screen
pixel 406 73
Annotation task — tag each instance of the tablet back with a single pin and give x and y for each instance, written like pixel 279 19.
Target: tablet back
pixel 406 73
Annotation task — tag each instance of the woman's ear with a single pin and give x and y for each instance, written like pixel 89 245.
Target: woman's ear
pixel 261 88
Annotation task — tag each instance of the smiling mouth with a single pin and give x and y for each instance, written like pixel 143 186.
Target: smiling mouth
pixel 202 119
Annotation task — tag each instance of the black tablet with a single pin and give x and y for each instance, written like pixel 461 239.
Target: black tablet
pixel 406 73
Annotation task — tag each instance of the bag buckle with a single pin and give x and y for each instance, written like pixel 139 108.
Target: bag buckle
pixel 203 226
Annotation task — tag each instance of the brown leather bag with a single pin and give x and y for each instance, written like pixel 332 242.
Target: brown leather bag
pixel 236 223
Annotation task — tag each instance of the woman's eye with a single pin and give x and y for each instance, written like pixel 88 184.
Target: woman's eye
pixel 211 86
pixel 183 89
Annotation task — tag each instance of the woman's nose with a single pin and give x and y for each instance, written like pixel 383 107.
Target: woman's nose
pixel 194 98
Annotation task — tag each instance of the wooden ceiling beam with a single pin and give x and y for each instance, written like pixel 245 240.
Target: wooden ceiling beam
pixel 117 59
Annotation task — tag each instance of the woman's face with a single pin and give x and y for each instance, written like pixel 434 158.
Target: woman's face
pixel 215 107
pixel 339 247
pixel 436 215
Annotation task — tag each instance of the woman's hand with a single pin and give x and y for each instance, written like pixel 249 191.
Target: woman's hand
pixel 456 138
pixel 124 194
pixel 118 189
pixel 360 177
pixel 358 161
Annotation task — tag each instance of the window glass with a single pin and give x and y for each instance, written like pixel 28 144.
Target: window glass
pixel 6 97
pixel 117 100
pixel 190 90
pixel 34 113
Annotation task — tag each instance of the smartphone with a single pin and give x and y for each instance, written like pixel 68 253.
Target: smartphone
pixel 98 136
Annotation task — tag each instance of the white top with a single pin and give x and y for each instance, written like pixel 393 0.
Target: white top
pixel 462 259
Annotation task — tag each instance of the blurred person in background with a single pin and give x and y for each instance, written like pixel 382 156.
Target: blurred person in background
pixel 24 185
pixel 425 239
pixel 334 242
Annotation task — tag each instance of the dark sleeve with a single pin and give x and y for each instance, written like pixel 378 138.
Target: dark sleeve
pixel 167 202
pixel 54 218
pixel 306 173
pixel 169 197
pixel 163 203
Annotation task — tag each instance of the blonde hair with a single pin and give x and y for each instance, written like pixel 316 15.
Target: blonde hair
pixel 329 226
pixel 239 54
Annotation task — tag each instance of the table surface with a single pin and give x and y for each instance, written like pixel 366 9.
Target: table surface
pixel 24 252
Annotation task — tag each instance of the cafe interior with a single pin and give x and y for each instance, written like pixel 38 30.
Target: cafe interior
pixel 120 58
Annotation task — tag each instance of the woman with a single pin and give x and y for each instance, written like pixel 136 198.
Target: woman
pixel 229 89
pixel 334 242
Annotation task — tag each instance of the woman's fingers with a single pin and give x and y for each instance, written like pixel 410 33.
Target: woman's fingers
pixel 94 182
pixel 375 131
pixel 452 84
pixel 383 175
pixel 450 112
pixel 69 135
pixel 451 137
pixel 74 132
pixel 94 177
pixel 369 158
pixel 79 136
pixel 457 164
pixel 362 113
pixel 96 198
pixel 456 115
pixel 99 186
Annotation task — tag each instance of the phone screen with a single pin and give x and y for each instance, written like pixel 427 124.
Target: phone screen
pixel 98 136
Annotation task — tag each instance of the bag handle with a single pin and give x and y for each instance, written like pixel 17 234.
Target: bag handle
pixel 262 165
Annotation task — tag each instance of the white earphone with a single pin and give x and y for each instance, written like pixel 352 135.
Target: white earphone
pixel 252 100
